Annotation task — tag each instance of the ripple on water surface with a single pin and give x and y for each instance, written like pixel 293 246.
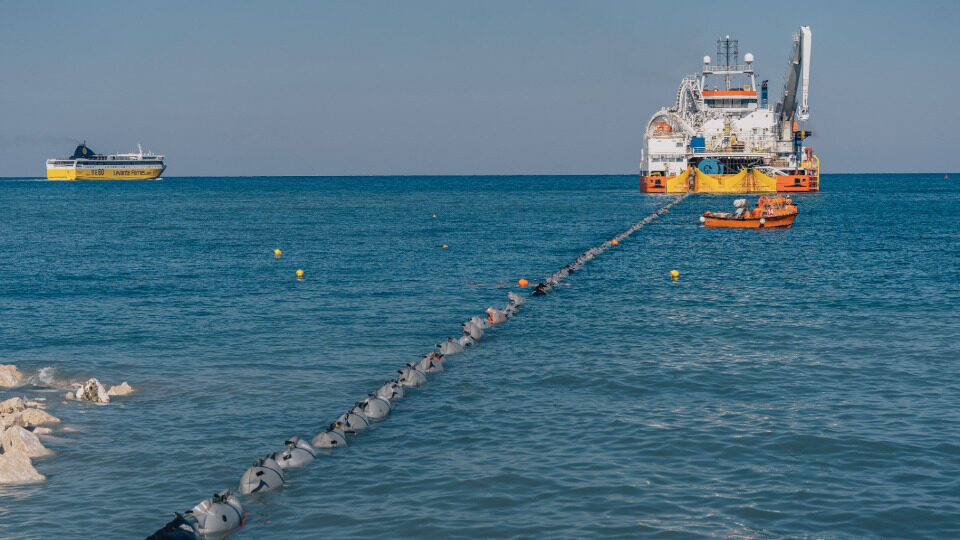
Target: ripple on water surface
pixel 791 383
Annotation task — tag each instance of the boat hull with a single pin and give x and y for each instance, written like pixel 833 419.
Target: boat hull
pixel 769 222
pixel 104 173
pixel 794 183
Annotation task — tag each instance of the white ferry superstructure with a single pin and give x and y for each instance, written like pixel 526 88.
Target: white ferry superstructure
pixel 720 136
pixel 85 164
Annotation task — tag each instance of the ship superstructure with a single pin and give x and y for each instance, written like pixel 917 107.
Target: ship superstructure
pixel 722 134
pixel 85 164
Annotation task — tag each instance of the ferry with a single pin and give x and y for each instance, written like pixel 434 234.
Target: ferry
pixel 722 134
pixel 85 164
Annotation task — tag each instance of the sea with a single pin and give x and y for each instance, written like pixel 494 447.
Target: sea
pixel 794 383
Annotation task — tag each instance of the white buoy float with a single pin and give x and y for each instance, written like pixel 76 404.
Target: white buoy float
pixel 332 437
pixel 375 408
pixel 219 514
pixel 391 390
pixel 432 363
pixel 411 376
pixel 353 421
pixel 264 475
pixel 297 453
pixel 450 346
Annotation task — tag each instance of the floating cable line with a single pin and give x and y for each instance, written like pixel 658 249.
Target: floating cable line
pixel 223 513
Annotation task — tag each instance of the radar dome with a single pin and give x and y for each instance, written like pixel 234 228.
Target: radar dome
pixel 748 58
pixel 706 59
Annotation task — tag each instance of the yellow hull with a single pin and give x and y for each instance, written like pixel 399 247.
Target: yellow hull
pixel 746 181
pixel 103 174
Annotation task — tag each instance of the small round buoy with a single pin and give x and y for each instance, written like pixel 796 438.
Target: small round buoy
pixel 522 282
pixel 299 274
pixel 434 216
pixel 614 242
pixel 674 274
pixel 703 219
pixel 277 253
pixel 445 246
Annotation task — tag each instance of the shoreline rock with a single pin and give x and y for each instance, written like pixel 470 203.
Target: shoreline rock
pixel 10 376
pixel 22 421
pixel 16 468
pixel 17 440
pixel 93 391
pixel 121 389
pixel 12 405
pixel 28 418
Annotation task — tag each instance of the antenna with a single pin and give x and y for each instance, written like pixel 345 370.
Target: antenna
pixel 728 52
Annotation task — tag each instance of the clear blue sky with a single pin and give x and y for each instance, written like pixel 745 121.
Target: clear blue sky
pixel 449 87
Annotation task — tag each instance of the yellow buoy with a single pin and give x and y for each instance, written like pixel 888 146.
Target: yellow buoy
pixel 445 246
pixel 522 282
pixel 614 242
pixel 277 253
pixel 299 274
pixel 674 274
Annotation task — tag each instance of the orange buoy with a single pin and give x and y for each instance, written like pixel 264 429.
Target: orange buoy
pixel 614 242
pixel 445 246
pixel 522 282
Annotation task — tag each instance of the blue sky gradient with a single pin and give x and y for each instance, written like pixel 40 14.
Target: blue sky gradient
pixel 451 87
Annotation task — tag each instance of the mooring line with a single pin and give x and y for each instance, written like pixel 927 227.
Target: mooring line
pixel 223 513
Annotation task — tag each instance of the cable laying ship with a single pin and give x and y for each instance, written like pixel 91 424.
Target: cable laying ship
pixel 727 139
pixel 85 164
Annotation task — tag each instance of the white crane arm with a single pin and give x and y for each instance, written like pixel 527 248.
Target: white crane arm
pixel 805 43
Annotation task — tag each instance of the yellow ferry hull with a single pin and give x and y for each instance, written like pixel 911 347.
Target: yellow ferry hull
pixel 104 174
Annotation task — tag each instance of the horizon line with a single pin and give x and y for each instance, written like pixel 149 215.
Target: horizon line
pixel 438 175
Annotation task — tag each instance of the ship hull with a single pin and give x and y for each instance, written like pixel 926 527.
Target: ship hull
pixel 768 222
pixel 104 173
pixel 800 183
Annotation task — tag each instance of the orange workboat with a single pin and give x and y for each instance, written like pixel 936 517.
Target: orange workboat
pixel 769 212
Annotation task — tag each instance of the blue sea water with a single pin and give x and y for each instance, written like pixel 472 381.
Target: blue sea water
pixel 791 383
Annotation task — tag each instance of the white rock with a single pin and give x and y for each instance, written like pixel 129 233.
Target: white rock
pixel 40 430
pixel 27 418
pixel 93 391
pixel 10 376
pixel 121 389
pixel 36 417
pixel 17 468
pixel 12 405
pixel 15 439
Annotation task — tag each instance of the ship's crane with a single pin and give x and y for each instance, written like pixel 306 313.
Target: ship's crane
pixel 796 79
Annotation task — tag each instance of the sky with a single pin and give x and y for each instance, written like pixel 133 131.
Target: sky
pixel 452 87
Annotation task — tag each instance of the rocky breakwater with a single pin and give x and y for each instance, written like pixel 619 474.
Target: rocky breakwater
pixel 24 421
